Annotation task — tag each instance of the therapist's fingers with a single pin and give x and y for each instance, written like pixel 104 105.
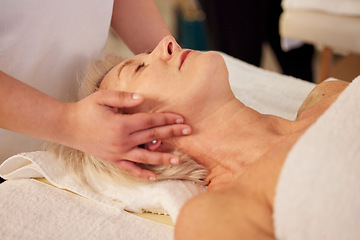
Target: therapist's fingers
pixel 159 133
pixel 118 99
pixel 141 121
pixel 135 170
pixel 141 155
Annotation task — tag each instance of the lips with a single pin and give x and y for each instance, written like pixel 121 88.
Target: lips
pixel 183 57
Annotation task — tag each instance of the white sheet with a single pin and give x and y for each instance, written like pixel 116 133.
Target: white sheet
pixel 318 193
pixel 265 91
pixel 33 210
pixel 343 7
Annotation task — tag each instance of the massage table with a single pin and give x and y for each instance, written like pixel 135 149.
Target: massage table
pixel 331 25
pixel 35 206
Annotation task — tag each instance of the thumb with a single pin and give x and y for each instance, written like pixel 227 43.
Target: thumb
pixel 118 99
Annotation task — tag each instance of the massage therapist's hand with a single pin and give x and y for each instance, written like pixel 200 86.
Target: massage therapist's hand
pixel 95 127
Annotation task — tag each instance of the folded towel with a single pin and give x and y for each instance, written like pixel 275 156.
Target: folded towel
pixel 318 193
pixel 31 209
pixel 343 7
pixel 165 197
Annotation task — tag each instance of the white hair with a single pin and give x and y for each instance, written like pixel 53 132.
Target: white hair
pixel 90 170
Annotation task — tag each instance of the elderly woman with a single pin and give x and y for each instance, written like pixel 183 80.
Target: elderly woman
pixel 242 150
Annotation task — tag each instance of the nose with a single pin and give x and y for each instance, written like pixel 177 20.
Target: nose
pixel 167 47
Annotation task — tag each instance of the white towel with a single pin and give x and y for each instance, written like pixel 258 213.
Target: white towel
pixel 318 194
pixel 165 197
pixel 344 7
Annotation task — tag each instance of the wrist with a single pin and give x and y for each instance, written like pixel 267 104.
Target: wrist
pixel 63 131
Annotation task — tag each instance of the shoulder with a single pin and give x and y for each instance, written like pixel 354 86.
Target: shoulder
pixel 199 218
pixel 224 214
pixel 324 91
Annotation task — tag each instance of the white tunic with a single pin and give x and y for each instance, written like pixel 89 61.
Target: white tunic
pixel 46 44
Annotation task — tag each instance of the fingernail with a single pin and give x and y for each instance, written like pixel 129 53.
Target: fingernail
pixel 174 161
pixel 135 96
pixel 186 131
pixel 180 120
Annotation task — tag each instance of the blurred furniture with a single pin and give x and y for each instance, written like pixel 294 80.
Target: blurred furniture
pixel 332 32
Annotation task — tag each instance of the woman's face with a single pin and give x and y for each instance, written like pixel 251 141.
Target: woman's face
pixel 171 79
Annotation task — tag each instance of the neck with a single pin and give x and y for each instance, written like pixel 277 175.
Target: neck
pixel 232 138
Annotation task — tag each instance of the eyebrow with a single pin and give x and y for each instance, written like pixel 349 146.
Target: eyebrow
pixel 126 63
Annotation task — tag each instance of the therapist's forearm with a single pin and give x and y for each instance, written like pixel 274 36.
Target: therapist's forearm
pixel 25 110
pixel 139 24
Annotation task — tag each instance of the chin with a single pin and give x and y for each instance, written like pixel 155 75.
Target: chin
pixel 213 54
pixel 215 65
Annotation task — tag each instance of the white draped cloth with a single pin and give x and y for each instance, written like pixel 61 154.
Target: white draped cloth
pixel 318 193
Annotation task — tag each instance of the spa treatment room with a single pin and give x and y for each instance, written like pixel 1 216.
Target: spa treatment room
pixel 180 119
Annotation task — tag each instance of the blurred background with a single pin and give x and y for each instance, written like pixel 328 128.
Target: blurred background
pixel 249 30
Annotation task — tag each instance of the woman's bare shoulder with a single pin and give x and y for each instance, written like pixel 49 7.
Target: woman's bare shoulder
pixel 228 213
pixel 323 91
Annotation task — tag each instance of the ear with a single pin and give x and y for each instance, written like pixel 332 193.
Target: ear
pixel 152 146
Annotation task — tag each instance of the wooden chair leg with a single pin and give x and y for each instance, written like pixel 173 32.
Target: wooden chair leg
pixel 325 64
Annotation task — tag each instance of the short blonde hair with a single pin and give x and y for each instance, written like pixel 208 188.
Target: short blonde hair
pixel 89 169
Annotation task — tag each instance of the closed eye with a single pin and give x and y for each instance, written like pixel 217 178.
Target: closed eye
pixel 139 67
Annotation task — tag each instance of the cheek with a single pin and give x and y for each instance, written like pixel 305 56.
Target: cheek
pixel 154 83
pixel 111 82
